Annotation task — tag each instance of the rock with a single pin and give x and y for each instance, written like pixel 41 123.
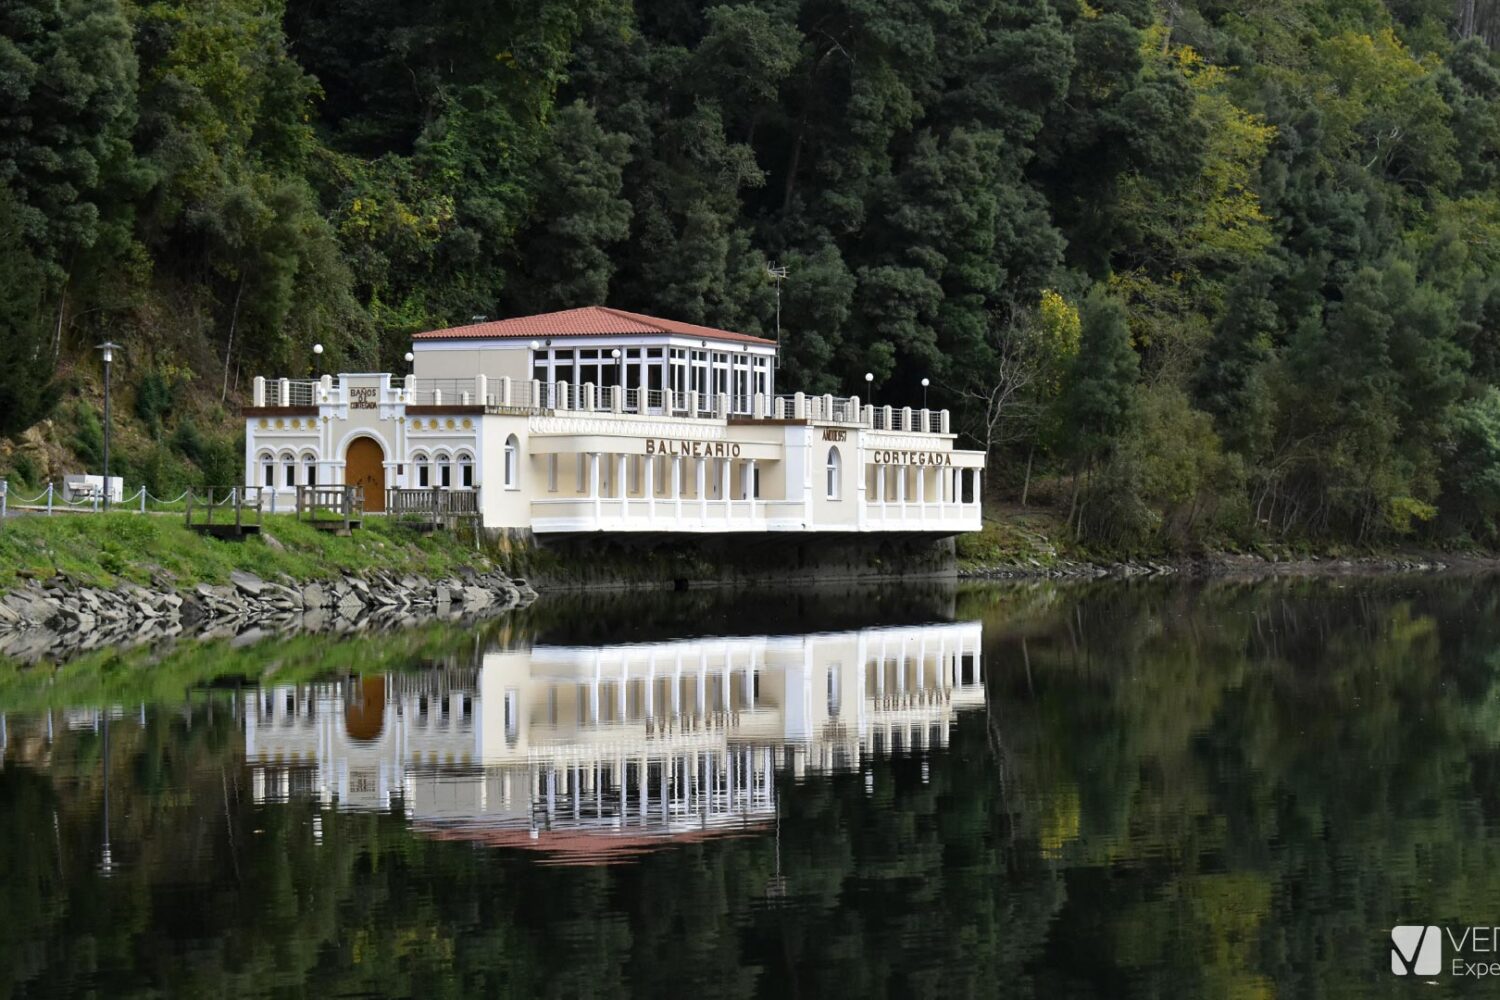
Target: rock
pixel 288 596
pixel 313 596
pixel 272 542
pixel 247 583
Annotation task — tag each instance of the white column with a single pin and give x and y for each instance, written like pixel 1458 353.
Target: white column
pixel 677 484
pixel 726 683
pixel 880 489
pixel 651 689
pixel 622 485
pixel 648 485
pixel 749 473
pixel 724 471
pixel 677 687
pixel 702 684
pixel 921 492
pixel 594 481
pixel 702 489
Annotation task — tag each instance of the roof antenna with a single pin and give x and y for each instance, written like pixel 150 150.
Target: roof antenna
pixel 777 273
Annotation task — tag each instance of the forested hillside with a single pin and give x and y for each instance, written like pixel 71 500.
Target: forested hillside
pixel 1192 269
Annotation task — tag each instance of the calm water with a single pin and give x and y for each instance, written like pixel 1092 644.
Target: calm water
pixel 1117 790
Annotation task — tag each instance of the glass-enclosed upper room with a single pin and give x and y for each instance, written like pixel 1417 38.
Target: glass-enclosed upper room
pixel 606 348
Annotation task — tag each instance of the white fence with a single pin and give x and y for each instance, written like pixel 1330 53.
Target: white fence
pixel 64 499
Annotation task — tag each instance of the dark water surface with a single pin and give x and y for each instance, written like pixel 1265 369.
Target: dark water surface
pixel 1129 790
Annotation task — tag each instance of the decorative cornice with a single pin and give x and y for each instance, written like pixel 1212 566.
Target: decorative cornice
pixel 907 442
pixel 681 430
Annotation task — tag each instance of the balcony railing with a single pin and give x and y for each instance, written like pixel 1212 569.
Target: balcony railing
pixel 692 514
pixel 506 395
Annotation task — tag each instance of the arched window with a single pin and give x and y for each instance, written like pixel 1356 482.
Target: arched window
pixel 267 469
pixel 423 470
pixel 466 470
pixel 512 463
pixel 445 471
pixel 309 469
pixel 289 469
pixel 835 476
pixel 512 716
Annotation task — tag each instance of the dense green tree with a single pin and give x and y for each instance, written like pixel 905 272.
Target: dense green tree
pixel 1100 402
pixel 1231 382
pixel 1295 202
pixel 25 354
pixel 1100 399
pixel 579 216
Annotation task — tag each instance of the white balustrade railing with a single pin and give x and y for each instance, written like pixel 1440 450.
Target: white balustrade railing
pixel 532 395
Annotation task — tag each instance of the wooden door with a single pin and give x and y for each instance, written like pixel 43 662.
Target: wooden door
pixel 364 465
pixel 364 716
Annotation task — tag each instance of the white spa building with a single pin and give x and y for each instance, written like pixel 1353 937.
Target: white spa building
pixel 596 419
pixel 593 752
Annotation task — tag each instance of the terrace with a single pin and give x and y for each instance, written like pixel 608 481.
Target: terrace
pixel 506 396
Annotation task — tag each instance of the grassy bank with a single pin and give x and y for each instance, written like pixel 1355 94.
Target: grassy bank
pixel 105 549
pixel 167 673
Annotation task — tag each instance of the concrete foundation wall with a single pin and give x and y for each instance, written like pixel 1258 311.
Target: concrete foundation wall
pixel 713 560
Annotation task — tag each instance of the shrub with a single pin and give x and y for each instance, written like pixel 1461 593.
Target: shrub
pixel 88 437
pixel 153 400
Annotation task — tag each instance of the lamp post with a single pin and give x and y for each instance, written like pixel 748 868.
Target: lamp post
pixel 106 856
pixel 925 383
pixel 410 357
pixel 870 384
pixel 108 349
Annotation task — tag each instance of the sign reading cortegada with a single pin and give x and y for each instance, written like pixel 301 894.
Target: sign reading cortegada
pixel 896 457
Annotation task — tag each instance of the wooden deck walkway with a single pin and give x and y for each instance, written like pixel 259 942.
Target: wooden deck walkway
pixel 339 509
pixel 431 509
pixel 230 512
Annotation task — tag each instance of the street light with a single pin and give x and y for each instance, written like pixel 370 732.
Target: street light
pixel 410 357
pixel 870 383
pixel 108 349
pixel 925 383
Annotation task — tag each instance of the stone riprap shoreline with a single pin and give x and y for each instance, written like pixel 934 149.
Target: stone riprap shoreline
pixel 1227 566
pixel 59 618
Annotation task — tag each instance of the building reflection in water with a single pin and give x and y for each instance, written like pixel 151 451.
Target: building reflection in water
pixel 592 754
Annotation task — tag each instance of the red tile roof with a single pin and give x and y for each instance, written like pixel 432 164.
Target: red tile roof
pixel 590 321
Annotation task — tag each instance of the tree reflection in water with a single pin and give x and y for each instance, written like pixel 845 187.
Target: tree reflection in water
pixel 1188 790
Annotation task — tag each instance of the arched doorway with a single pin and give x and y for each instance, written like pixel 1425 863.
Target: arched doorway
pixel 364 716
pixel 364 465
